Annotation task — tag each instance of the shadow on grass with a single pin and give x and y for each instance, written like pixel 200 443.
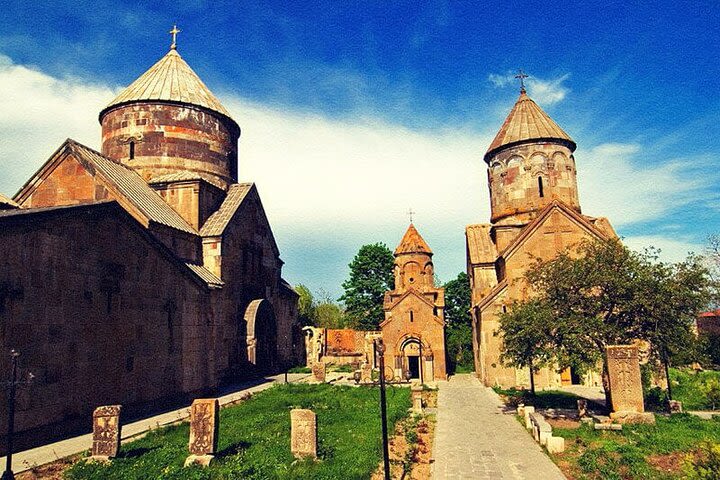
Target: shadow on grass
pixel 136 452
pixel 233 449
pixel 543 399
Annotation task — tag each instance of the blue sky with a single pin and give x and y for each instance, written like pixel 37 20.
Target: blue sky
pixel 338 98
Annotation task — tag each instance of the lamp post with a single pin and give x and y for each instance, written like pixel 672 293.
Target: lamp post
pixel 383 409
pixel 12 386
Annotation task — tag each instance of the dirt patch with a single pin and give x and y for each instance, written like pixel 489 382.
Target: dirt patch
pixel 669 463
pixel 563 423
pixel 410 449
pixel 50 471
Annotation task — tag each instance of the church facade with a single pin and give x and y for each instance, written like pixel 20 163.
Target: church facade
pixel 535 213
pixel 414 327
pixel 144 272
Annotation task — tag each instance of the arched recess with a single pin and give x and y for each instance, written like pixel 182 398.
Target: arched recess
pixel 414 355
pixel 261 339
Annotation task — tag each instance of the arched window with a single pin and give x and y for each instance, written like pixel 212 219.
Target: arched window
pixel 540 187
pixel 411 316
pixel 132 150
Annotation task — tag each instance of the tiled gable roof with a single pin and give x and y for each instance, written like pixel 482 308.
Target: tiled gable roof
pixel 185 176
pixel 215 225
pixel 525 122
pixel 132 187
pixel 172 80
pixel 481 248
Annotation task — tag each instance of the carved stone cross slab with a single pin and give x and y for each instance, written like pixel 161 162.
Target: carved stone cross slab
pixel 204 425
pixel 625 384
pixel 303 433
pixel 106 432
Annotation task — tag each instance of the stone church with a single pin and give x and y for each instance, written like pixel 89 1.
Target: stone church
pixel 535 213
pixel 143 273
pixel 414 327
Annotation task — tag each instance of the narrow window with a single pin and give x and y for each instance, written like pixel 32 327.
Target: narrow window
pixel 411 315
pixel 132 150
pixel 540 187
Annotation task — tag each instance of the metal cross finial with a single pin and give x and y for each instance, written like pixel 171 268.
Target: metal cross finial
pixel 521 75
pixel 411 213
pixel 174 33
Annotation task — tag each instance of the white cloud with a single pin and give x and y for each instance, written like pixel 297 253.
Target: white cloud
pixel 545 92
pixel 619 181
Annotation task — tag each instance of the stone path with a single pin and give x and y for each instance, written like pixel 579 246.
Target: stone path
pixel 475 440
pixel 28 459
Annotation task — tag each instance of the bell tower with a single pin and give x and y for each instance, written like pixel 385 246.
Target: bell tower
pixel 530 164
pixel 413 263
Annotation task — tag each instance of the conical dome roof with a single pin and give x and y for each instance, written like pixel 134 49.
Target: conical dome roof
pixel 412 242
pixel 170 80
pixel 527 122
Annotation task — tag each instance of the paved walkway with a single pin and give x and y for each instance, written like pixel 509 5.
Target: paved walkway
pixel 475 440
pixel 28 459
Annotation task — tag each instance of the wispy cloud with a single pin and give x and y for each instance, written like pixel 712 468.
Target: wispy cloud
pixel 544 91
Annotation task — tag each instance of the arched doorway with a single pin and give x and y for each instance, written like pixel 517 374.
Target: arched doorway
pixel 261 335
pixel 414 357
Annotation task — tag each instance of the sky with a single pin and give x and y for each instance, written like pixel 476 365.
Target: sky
pixel 353 112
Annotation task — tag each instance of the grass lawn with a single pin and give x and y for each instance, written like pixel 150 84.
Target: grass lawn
pixel 254 440
pixel 686 387
pixel 638 451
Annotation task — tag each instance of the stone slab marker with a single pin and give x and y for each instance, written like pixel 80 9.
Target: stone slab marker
pixel 416 393
pixel 204 425
pixel 319 371
pixel 366 373
pixel 106 432
pixel 625 384
pixel 303 433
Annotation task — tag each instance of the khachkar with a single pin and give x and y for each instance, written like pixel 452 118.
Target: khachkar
pixel 204 425
pixel 303 433
pixel 106 433
pixel 626 393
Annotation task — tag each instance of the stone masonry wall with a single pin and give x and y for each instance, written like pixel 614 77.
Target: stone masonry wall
pixel 98 321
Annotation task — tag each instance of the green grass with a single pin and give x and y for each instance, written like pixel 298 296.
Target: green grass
pixel 300 370
pixel 619 455
pixel 686 387
pixel 254 440
pixel 541 399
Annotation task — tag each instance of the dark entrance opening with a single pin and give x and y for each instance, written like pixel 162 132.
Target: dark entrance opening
pixel 576 380
pixel 414 366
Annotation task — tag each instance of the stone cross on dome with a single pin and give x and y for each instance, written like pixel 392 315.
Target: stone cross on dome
pixel 174 33
pixel 522 76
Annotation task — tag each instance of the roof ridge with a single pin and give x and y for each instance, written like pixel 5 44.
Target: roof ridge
pixel 412 242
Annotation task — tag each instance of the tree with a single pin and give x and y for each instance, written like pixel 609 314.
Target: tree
pixel 371 275
pixel 329 314
pixel 458 323
pixel 527 337
pixel 605 294
pixel 306 306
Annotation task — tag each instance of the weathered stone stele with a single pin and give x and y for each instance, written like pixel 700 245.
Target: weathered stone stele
pixel 303 433
pixel 625 383
pixel 106 432
pixel 319 372
pixel 366 373
pixel 204 425
pixel 416 392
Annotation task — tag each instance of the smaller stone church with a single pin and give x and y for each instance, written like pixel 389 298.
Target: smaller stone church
pixel 414 327
pixel 413 330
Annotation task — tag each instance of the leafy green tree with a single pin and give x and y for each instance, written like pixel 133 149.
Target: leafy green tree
pixel 371 275
pixel 458 329
pixel 329 314
pixel 527 329
pixel 306 305
pixel 605 294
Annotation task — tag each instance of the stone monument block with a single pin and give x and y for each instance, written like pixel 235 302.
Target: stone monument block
pixel 625 384
pixel 303 433
pixel 555 445
pixel 675 406
pixel 528 410
pixel 204 425
pixel 319 371
pixel 416 392
pixel 366 373
pixel 106 432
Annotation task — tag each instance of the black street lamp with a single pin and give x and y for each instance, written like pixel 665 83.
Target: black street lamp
pixel 12 386
pixel 380 346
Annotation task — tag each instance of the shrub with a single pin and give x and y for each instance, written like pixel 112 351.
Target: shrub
pixel 706 463
pixel 711 389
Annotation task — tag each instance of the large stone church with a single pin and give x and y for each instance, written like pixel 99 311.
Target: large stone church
pixel 144 272
pixel 535 213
